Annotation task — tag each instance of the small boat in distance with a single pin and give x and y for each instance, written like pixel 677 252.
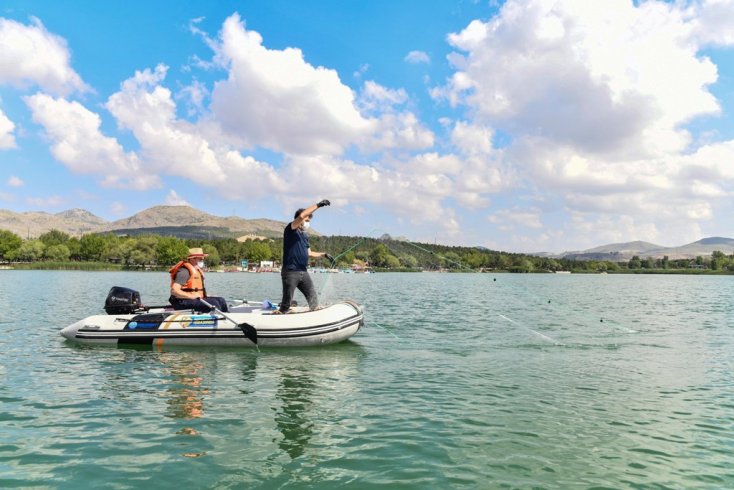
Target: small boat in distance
pixel 245 324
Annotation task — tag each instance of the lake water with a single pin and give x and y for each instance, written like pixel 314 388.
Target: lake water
pixel 456 381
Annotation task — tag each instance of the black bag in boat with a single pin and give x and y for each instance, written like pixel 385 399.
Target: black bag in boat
pixel 122 301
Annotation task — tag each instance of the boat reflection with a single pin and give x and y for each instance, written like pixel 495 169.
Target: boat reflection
pixel 290 400
pixel 186 392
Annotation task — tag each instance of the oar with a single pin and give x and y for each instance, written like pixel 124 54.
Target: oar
pixel 247 329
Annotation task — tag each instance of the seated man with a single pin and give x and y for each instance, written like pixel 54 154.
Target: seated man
pixel 187 285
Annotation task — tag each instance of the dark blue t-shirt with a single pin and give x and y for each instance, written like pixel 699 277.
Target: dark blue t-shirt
pixel 295 249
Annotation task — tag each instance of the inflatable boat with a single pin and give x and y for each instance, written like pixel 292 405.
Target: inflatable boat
pixel 245 324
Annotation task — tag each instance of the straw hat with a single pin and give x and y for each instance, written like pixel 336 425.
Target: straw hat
pixel 196 252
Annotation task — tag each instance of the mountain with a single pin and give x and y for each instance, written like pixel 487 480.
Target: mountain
pixel 75 222
pixel 179 221
pixel 618 252
pixel 187 222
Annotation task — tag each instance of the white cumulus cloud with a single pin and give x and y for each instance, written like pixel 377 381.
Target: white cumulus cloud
pixel 7 139
pixel 416 57
pixel 171 146
pixel 14 181
pixel 605 76
pixel 275 99
pixel 31 55
pixel 78 143
pixel 592 100
pixel 173 199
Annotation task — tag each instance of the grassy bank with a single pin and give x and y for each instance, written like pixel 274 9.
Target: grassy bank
pixel 68 266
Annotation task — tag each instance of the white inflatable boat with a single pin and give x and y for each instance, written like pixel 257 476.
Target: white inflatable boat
pixel 245 324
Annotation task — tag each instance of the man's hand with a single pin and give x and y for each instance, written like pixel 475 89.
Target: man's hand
pixel 329 258
pixel 323 203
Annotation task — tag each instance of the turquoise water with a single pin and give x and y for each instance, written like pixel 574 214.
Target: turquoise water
pixel 456 381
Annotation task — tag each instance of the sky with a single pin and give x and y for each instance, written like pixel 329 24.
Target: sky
pixel 522 126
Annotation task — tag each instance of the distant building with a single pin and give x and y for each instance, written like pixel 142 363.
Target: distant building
pixel 245 238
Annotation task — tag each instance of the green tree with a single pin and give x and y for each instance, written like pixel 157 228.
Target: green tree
pixel 392 262
pixel 346 260
pixel 276 250
pixel 551 265
pixel 9 241
pixel 362 255
pixel 31 250
pixel 54 237
pixel 634 263
pixel 142 250
pixel 74 246
pixel 503 262
pixel 258 251
pixel 378 256
pixel 476 260
pixel 213 260
pixel 408 261
pixel 57 253
pixel 170 250
pixel 522 264
pixel 117 250
pixel 229 250
pixel 718 260
pixel 453 261
pixel 91 247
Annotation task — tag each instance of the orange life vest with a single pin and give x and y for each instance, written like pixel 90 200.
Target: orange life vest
pixel 195 283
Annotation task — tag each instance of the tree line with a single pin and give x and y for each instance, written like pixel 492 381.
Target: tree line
pixel 159 252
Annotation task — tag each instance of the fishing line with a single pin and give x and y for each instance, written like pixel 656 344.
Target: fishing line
pixel 386 329
pixel 334 259
pixel 585 318
pixel 349 249
pixel 542 336
pixel 608 321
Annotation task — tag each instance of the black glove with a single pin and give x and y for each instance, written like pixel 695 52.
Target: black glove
pixel 323 203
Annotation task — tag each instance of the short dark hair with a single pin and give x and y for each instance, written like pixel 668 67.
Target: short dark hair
pixel 298 213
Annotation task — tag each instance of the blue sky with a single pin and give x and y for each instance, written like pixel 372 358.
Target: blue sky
pixel 522 126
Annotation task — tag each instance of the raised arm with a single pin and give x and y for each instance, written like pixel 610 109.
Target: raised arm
pixel 308 212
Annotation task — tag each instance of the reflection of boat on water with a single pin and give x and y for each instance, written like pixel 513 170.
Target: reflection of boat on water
pixel 187 391
pixel 164 326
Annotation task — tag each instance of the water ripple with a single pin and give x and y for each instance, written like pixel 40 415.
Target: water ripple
pixel 444 393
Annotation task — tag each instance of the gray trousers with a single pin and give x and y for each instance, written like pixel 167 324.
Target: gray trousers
pixel 302 281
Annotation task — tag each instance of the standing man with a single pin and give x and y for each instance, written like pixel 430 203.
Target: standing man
pixel 296 252
pixel 187 284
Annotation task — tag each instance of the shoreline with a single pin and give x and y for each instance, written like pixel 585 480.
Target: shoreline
pixel 97 267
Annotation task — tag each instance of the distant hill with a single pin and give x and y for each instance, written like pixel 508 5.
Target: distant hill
pixel 187 222
pixel 179 221
pixel 618 252
pixel 75 222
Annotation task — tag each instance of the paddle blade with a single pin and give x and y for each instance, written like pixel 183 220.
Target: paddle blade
pixel 249 331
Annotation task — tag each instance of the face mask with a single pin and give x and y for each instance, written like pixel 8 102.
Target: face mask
pixel 306 225
pixel 200 264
